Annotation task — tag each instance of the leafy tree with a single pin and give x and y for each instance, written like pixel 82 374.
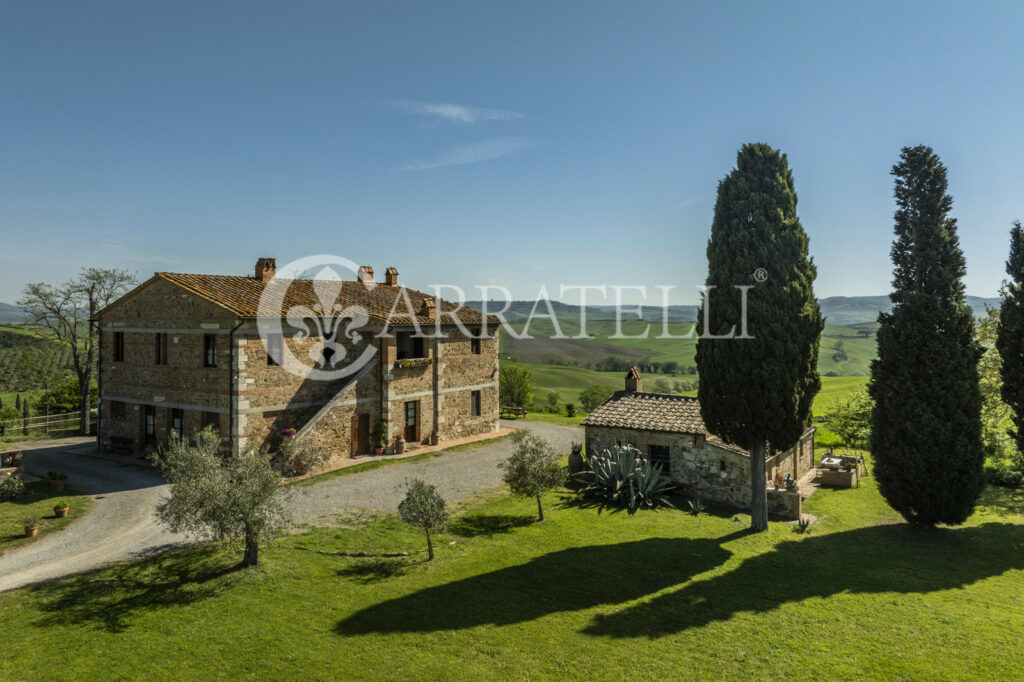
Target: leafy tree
pixel 662 385
pixel 926 425
pixel 515 386
pixel 594 395
pixel 220 498
pixel 850 417
pixel 759 390
pixel 65 311
pixel 532 468
pixel 9 416
pixel 425 509
pixel 62 396
pixel 1010 337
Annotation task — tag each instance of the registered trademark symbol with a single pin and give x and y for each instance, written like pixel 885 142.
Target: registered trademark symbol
pixel 760 275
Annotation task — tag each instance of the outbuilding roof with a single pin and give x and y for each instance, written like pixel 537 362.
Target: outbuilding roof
pixel 649 412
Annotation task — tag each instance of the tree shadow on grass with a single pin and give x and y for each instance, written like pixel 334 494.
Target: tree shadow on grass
pixel 567 580
pixel 488 524
pixel 1002 501
pixel 108 598
pixel 879 559
pixel 369 571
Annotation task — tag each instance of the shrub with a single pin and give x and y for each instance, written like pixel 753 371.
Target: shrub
pixel 295 459
pixel 30 521
pixel 622 477
pixel 532 468
pixel 61 505
pixel 425 509
pixel 11 488
pixel 1003 472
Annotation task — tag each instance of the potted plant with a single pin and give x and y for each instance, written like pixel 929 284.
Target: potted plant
pixel 31 526
pixel 57 480
pixel 399 444
pixel 570 410
pixel 60 510
pixel 380 437
pixel 576 463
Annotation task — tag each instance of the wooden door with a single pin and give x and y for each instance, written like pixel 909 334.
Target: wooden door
pixel 360 434
pixel 411 417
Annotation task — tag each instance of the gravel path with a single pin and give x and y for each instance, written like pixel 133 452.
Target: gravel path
pixel 456 475
pixel 121 524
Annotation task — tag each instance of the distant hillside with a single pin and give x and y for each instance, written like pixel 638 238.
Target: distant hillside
pixel 840 310
pixel 11 313
pixel 857 309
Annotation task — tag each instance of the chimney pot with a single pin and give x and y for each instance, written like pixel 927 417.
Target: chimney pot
pixel 266 268
pixel 365 274
pixel 428 309
pixel 391 277
pixel 634 383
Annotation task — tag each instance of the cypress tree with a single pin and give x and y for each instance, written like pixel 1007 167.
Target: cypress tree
pixel 926 425
pixel 1010 336
pixel 24 417
pixel 758 391
pixel 17 401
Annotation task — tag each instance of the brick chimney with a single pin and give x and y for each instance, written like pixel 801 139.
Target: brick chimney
pixel 365 274
pixel 428 309
pixel 391 277
pixel 266 268
pixel 634 384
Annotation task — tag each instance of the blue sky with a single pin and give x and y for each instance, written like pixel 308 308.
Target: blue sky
pixel 520 144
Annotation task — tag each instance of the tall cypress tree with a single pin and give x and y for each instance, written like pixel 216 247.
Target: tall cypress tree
pixel 1010 336
pixel 758 391
pixel 926 425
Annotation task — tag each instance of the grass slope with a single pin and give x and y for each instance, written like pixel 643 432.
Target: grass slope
pixel 582 595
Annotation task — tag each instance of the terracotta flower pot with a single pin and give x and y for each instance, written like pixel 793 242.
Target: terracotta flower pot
pixel 378 451
pixel 60 513
pixel 58 486
pixel 30 531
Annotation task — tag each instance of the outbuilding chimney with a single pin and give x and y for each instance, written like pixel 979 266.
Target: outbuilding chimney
pixel 428 309
pixel 634 384
pixel 391 277
pixel 266 268
pixel 365 274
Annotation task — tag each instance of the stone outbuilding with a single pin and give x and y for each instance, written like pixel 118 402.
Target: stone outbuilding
pixel 669 430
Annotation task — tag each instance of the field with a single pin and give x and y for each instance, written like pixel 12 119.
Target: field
pixel 606 596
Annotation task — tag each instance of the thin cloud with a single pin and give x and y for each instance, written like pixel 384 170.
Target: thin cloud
pixel 455 112
pixel 472 153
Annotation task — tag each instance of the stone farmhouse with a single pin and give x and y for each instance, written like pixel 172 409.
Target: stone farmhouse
pixel 181 352
pixel 669 430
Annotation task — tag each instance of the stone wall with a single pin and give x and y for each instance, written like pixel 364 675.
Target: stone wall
pixel 784 504
pixel 713 472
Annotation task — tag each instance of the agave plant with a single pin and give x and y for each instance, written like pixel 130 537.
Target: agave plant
pixel 622 477
pixel 696 505
pixel 803 524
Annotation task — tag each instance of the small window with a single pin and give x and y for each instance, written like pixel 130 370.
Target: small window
pixel 211 419
pixel 118 346
pixel 474 346
pixel 660 455
pixel 160 346
pixel 721 465
pixel 117 411
pixel 209 350
pixel 149 425
pixel 409 346
pixel 474 403
pixel 275 347
pixel 178 422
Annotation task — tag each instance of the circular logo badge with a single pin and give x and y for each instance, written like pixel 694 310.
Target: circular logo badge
pixel 304 302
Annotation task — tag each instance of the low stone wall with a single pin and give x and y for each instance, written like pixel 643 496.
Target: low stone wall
pixel 784 503
pixel 838 479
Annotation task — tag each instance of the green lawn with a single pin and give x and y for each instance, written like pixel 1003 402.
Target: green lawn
pixel 38 503
pixel 583 595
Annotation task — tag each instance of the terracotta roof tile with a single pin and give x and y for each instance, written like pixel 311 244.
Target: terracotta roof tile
pixel 649 412
pixel 241 296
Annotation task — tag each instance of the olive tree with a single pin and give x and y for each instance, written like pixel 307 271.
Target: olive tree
pixel 423 507
pixel 532 468
pixel 220 498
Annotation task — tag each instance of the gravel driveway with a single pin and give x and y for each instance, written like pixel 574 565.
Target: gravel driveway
pixel 121 524
pixel 456 475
